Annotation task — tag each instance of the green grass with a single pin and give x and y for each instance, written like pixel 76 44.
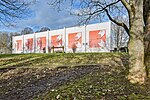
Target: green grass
pixel 107 83
pixel 56 59
pixel 104 84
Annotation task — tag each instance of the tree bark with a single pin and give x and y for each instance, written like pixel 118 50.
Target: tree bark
pixel 147 42
pixel 137 73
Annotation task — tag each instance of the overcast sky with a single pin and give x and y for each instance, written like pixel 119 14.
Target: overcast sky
pixel 43 15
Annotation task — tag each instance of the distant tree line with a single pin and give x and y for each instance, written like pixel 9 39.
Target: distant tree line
pixel 6 41
pixel 6 38
pixel 29 30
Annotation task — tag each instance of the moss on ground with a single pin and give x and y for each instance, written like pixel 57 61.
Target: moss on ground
pixel 104 84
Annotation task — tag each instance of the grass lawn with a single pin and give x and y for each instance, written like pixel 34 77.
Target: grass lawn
pixel 53 60
pixel 80 76
pixel 103 84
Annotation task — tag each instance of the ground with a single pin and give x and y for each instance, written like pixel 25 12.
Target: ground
pixel 83 76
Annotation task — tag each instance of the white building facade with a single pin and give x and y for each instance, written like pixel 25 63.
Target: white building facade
pixel 87 38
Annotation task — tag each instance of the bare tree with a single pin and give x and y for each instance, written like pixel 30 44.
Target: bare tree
pixel 10 41
pixel 44 29
pixel 27 30
pixel 120 36
pixel 146 15
pixel 11 10
pixel 138 12
pixel 3 42
pixel 6 42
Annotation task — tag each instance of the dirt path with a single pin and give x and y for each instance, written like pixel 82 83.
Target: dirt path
pixel 25 83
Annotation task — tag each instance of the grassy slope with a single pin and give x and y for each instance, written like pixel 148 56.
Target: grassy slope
pixel 108 82
pixel 104 84
pixel 53 60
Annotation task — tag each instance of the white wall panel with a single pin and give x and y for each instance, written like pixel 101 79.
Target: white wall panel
pixel 17 44
pixel 75 38
pixel 57 39
pixel 98 37
pixel 29 43
pixel 41 42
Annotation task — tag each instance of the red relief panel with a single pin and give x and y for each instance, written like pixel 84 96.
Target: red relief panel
pixel 19 45
pixel 56 40
pixel 29 44
pixel 41 42
pixel 75 40
pixel 97 38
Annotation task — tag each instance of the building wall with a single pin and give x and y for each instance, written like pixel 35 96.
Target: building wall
pixel 41 42
pixel 17 44
pixel 98 37
pixel 28 43
pixel 57 39
pixel 87 38
pixel 75 38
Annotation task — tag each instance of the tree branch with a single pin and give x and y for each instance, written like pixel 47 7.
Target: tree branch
pixel 118 23
pixel 126 5
pixel 109 16
pixel 11 10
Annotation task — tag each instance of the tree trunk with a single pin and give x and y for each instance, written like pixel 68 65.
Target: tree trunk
pixel 137 71
pixel 147 42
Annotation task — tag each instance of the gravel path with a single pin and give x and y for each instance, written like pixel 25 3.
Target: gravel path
pixel 25 83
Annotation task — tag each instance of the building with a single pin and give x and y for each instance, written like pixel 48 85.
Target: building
pixel 88 38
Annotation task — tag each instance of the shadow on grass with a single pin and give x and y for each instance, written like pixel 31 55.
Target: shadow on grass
pixel 29 82
pixel 26 61
pixel 15 60
pixel 88 82
pixel 9 55
pixel 103 83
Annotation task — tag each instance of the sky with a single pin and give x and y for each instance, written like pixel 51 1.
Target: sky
pixel 44 15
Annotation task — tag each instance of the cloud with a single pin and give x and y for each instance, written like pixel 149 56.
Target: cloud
pixel 43 15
